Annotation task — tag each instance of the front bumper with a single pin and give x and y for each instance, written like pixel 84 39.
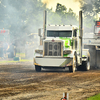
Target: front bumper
pixel 52 62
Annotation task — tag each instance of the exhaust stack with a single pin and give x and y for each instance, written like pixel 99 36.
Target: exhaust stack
pixel 44 24
pixel 80 34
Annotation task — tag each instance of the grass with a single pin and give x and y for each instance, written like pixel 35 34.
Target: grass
pixel 96 97
pixel 20 54
pixel 15 60
pixel 12 61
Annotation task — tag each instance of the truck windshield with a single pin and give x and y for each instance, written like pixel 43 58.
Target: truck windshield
pixel 59 33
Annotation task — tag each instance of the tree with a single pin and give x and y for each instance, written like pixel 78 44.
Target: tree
pixel 72 18
pixel 26 16
pixel 53 18
pixel 61 9
pixel 21 16
pixel 67 17
pixel 90 8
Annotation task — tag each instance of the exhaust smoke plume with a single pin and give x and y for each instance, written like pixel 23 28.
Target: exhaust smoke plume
pixel 22 18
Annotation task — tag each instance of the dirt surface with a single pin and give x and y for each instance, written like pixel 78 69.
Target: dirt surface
pixel 21 82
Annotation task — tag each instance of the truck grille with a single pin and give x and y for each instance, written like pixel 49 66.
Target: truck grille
pixel 52 49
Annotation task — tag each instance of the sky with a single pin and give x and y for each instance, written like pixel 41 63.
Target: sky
pixel 73 4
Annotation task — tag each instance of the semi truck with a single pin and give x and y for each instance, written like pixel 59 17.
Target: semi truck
pixel 61 47
pixel 91 41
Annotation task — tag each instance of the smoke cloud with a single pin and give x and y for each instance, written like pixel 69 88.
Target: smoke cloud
pixel 22 18
pixel 47 1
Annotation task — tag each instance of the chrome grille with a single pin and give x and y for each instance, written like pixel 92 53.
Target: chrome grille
pixel 52 48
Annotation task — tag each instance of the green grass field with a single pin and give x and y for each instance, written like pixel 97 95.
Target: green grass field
pixel 96 97
pixel 20 54
pixel 20 57
pixel 12 61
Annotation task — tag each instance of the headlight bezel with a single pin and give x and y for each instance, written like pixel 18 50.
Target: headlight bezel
pixel 67 52
pixel 39 51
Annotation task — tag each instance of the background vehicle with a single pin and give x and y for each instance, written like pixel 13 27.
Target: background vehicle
pixel 91 41
pixel 61 46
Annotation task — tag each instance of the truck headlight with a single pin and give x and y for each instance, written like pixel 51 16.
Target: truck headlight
pixel 39 51
pixel 67 52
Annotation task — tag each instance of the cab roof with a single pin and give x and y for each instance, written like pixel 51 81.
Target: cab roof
pixel 61 27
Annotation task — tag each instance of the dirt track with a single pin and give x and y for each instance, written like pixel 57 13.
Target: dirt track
pixel 21 82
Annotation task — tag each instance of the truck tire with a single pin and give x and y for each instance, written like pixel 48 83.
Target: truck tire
pixel 84 67
pixel 37 68
pixel 79 68
pixel 73 67
pixel 85 64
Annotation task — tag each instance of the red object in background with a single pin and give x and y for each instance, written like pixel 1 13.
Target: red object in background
pixel 64 98
pixel 98 23
pixel 98 26
pixel 53 40
pixel 99 32
pixel 2 31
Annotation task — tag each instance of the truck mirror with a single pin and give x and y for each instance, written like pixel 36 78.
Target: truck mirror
pixel 39 32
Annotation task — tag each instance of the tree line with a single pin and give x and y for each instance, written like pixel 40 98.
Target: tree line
pixel 23 17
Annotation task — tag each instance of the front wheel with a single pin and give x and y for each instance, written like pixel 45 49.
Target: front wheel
pixel 73 67
pixel 38 68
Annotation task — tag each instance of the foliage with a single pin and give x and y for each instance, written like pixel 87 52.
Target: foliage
pixel 23 17
pixel 90 8
pixel 67 17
